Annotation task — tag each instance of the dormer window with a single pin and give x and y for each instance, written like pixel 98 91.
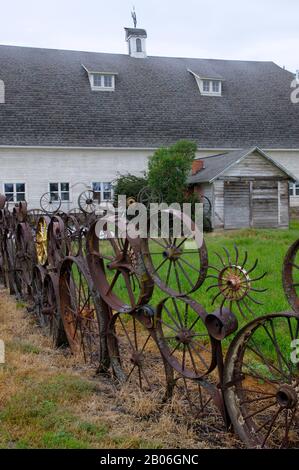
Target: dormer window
pixel 101 81
pixel 208 86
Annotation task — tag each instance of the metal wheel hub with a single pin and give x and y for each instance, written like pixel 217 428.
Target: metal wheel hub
pixel 172 253
pixel 137 358
pixel 184 336
pixel 287 396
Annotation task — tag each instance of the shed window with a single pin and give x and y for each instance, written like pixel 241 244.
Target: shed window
pixel 138 45
pixel 60 190
pixel 15 192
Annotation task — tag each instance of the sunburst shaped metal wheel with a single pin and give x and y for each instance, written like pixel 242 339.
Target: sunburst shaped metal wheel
pixel 235 282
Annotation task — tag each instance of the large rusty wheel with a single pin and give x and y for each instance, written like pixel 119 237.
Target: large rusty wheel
pixel 184 339
pixel 135 356
pixel 57 247
pixel 84 315
pixel 72 235
pixel 41 240
pixel 178 266
pixel 261 383
pixel 290 276
pixel 118 271
pixel 38 275
pixel 25 256
pixel 50 312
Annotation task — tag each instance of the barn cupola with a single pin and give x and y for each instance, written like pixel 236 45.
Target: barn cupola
pixel 136 39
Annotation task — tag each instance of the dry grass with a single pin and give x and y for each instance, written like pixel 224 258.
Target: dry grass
pixel 48 400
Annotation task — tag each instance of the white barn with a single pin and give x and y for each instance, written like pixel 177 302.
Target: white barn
pixel 72 119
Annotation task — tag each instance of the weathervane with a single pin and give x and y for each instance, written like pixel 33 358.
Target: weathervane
pixel 133 13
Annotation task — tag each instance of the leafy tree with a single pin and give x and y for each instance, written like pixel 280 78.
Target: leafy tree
pixel 168 170
pixel 129 185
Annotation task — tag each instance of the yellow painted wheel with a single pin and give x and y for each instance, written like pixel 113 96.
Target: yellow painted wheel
pixel 42 240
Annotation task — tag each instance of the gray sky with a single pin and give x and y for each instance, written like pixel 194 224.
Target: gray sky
pixel 228 29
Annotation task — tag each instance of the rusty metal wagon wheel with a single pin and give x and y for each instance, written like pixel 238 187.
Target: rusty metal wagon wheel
pixel 235 282
pixel 290 278
pixel 41 240
pixel 25 256
pixel 88 201
pixel 38 275
pixel 261 382
pixel 50 312
pixel 118 271
pixel 3 201
pixel 10 264
pixel 135 356
pixel 184 339
pixel 178 266
pixel 72 235
pixel 84 315
pixel 50 203
pixel 57 246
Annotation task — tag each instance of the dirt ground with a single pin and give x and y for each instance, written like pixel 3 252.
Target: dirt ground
pixel 48 400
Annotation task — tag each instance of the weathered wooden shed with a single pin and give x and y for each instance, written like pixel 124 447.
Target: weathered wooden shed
pixel 247 188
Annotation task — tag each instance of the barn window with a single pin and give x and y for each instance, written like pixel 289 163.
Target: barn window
pixel 15 192
pixel 60 190
pixel 138 45
pixel 294 189
pixel 104 188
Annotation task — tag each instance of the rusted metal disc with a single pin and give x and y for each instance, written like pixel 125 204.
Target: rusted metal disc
pixel 261 382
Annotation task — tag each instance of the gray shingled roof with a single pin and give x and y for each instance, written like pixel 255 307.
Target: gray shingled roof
pixel 156 102
pixel 215 165
pixel 135 32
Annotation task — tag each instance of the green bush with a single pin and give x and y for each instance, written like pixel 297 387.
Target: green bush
pixel 129 185
pixel 168 170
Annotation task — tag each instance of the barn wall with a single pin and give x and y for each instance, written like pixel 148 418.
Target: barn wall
pixel 38 167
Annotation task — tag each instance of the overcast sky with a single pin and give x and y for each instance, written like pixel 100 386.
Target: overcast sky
pixel 220 29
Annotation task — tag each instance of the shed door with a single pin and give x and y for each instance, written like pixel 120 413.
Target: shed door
pixel 236 204
pixel 265 204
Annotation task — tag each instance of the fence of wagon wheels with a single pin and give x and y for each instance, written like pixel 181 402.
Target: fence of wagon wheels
pixel 96 295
